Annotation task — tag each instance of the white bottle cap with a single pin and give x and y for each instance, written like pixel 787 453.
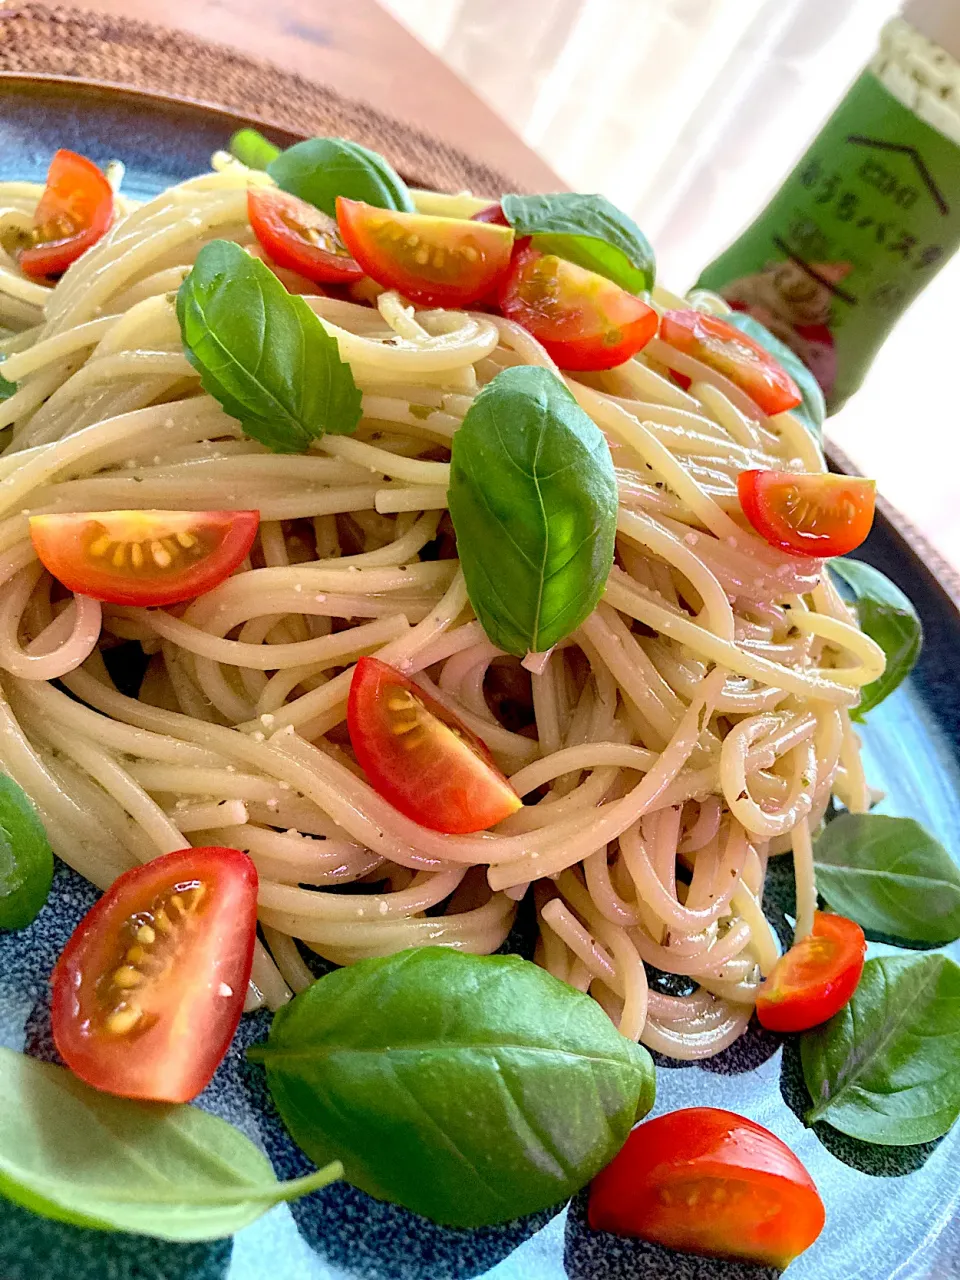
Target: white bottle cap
pixel 938 20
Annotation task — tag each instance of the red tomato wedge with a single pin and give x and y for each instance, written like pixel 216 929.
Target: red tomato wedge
pixel 732 353
pixel 149 990
pixel 439 262
pixel 300 237
pixel 492 213
pixel 420 757
pixel 816 977
pixel 75 210
pixel 811 514
pixel 708 1181
pixel 583 320
pixel 143 557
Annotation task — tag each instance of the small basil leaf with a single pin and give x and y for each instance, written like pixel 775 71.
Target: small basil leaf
pixel 886 1068
pixel 813 410
pixel 262 352
pixel 533 499
pixel 77 1155
pixel 321 169
pixel 886 616
pixel 252 149
pixel 7 389
pixel 26 859
pixel 470 1089
pixel 890 876
pixel 589 231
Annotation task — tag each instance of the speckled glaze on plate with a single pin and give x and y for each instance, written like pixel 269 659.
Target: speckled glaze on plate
pixel 891 1213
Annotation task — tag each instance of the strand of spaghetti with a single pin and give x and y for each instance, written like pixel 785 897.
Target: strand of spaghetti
pixel 805 880
pixel 75 648
pixel 288 960
pixel 844 635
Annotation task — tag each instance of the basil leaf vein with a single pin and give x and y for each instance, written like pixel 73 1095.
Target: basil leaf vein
pixel 470 1089
pixel 321 169
pixel 26 859
pixel 262 353
pixel 886 615
pixel 75 1154
pixel 587 230
pixel 890 876
pixel 886 1069
pixel 533 500
pixel 812 412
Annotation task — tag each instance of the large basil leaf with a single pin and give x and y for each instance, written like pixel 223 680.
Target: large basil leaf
pixel 888 617
pixel 588 230
pixel 886 1068
pixel 26 859
pixel 471 1089
pixel 253 149
pixel 262 352
pixel 72 1153
pixel 890 876
pixel 533 499
pixel 813 410
pixel 321 169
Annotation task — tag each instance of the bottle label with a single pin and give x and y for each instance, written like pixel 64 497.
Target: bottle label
pixel 863 223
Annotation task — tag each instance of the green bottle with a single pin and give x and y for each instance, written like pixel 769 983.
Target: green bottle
pixel 869 215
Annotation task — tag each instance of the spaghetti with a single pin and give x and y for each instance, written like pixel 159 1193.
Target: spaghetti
pixel 695 724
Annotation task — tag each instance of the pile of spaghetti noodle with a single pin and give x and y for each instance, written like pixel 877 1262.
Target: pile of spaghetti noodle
pixel 696 724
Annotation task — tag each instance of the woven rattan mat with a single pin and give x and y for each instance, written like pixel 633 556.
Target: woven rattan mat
pixel 37 39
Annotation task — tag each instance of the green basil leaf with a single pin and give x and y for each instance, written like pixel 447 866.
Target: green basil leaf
pixel 813 410
pixel 72 1153
pixel 262 352
pixel 7 389
pixel 890 876
pixel 470 1089
pixel 26 859
pixel 886 615
pixel 589 231
pixel 886 1069
pixel 252 149
pixel 533 499
pixel 321 169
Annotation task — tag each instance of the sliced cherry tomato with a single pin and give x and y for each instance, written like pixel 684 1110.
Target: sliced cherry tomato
pixel 708 1181
pixel 420 757
pixel 149 990
pixel 582 319
pixel 811 514
pixel 442 262
pixel 816 977
pixel 732 353
pixel 300 237
pixel 143 557
pixel 75 210
pixel 492 213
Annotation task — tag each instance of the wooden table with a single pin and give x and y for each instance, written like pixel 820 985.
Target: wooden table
pixel 360 50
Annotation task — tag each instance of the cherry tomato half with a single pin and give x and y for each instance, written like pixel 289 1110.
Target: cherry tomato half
pixel 420 757
pixel 708 1181
pixel 149 990
pixel 442 262
pixel 75 210
pixel 815 978
pixel 812 514
pixel 300 237
pixel 583 320
pixel 732 353
pixel 492 213
pixel 143 557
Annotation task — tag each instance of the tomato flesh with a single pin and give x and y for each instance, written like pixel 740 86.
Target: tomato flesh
pixel 492 213
pixel 708 1181
pixel 732 353
pixel 815 978
pixel 75 210
pixel 143 557
pixel 810 514
pixel 300 237
pixel 149 990
pixel 419 756
pixel 439 262
pixel 583 320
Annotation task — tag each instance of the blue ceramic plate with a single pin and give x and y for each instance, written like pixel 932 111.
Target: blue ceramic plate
pixel 890 1212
